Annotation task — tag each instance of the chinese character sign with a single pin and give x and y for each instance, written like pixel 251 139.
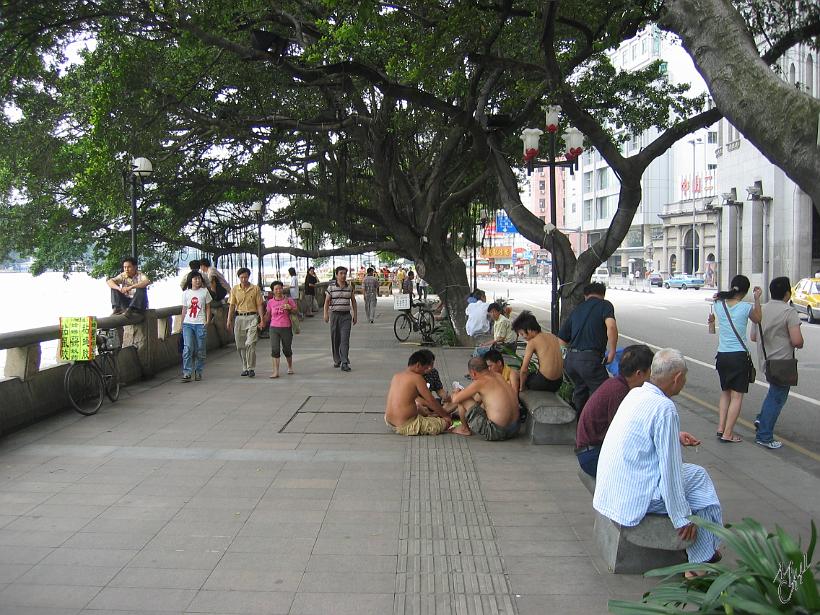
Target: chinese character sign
pixel 77 336
pixel 497 252
pixel 503 224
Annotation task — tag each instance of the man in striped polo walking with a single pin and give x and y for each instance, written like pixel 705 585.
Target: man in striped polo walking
pixel 340 311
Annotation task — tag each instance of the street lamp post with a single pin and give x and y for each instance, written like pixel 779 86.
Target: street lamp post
pixel 574 142
pixel 256 208
pixel 694 143
pixel 140 169
pixel 307 227
pixel 481 221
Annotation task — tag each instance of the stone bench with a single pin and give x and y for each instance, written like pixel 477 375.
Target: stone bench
pixel 550 420
pixel 653 543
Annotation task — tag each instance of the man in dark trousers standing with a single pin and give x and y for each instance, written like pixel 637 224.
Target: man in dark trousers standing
pixel 591 336
pixel 340 312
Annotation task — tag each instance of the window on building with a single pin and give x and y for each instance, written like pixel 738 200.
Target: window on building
pixel 588 181
pixel 712 137
pixel 603 178
pixel 656 44
pixel 624 58
pixel 634 238
pixel 573 207
pixel 810 75
pixel 542 185
pixel 542 204
pixel 792 75
pixel 588 209
pixel 644 46
pixel 711 166
pixel 635 51
pixel 587 156
pixel 601 207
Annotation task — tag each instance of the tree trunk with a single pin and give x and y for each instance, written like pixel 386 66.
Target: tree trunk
pixel 573 273
pixel 445 271
pixel 780 120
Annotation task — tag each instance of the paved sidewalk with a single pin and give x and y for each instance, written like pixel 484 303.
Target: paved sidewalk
pixel 236 495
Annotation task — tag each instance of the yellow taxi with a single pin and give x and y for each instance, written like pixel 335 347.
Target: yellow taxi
pixel 806 298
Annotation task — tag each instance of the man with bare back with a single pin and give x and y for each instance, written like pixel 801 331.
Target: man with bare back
pixel 402 414
pixel 547 348
pixel 488 407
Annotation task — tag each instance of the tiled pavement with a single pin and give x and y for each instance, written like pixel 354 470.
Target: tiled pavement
pixel 256 496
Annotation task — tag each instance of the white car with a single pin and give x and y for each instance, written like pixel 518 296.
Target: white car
pixel 601 275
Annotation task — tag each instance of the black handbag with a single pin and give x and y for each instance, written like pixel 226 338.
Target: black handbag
pixel 779 372
pixel 752 373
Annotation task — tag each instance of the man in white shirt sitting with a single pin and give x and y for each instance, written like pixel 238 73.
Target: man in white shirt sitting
pixel 478 322
pixel 640 469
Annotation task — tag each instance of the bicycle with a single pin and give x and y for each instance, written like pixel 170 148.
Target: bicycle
pixel 87 381
pixel 423 321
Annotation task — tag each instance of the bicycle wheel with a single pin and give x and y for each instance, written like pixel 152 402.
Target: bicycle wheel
pixel 84 388
pixel 111 375
pixel 402 327
pixel 426 323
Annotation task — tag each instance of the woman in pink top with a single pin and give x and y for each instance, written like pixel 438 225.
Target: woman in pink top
pixel 277 315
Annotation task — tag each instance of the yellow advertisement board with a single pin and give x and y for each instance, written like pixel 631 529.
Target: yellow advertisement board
pixel 77 337
pixel 497 252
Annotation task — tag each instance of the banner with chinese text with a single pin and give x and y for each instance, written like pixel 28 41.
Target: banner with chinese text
pixel 497 252
pixel 77 338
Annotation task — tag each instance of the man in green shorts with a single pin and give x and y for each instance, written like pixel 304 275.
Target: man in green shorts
pixel 488 407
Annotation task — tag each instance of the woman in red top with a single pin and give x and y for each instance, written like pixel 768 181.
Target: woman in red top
pixel 277 315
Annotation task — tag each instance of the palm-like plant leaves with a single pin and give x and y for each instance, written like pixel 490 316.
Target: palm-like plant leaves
pixel 772 575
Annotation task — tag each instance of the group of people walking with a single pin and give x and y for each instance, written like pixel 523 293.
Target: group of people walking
pixel 776 329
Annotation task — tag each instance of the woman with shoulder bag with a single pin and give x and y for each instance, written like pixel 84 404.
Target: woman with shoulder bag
pixel 733 360
pixel 780 336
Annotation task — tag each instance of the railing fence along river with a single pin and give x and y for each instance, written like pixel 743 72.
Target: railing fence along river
pixel 32 385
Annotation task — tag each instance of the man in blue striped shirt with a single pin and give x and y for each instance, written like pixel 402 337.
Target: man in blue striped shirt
pixel 640 468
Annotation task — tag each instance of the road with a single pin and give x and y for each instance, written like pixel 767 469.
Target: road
pixel 676 318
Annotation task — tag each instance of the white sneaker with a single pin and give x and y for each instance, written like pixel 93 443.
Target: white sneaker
pixel 772 445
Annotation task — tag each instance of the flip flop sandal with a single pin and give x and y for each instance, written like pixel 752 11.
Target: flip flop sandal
pixel 719 435
pixel 733 439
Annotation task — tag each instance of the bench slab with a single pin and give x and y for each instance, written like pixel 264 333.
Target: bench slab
pixel 550 420
pixel 653 543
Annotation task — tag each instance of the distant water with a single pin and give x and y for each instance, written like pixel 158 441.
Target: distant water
pixel 30 302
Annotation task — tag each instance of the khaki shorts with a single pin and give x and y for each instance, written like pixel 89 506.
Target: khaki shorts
pixel 420 426
pixel 478 423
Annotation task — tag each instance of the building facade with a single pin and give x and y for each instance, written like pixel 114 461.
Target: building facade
pixel 675 176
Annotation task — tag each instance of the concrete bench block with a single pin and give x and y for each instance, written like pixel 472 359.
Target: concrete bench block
pixel 587 481
pixel 653 543
pixel 550 420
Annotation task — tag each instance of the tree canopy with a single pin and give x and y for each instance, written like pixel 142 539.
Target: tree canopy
pixel 381 123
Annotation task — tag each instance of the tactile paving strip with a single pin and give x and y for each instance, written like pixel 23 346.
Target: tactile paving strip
pixel 449 562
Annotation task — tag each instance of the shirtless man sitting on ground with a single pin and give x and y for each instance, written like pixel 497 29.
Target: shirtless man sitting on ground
pixel 547 348
pixel 488 406
pixel 402 414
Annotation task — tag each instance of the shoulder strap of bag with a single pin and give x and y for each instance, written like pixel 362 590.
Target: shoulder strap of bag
pixel 762 342
pixel 737 335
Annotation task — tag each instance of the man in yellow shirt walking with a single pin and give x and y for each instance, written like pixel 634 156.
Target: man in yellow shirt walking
pixel 245 315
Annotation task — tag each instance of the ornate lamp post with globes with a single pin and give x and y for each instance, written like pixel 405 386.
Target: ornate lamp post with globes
pixel 307 229
pixel 256 208
pixel 574 141
pixel 141 168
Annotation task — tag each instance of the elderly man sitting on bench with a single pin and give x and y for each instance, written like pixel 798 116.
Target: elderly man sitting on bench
pixel 640 469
